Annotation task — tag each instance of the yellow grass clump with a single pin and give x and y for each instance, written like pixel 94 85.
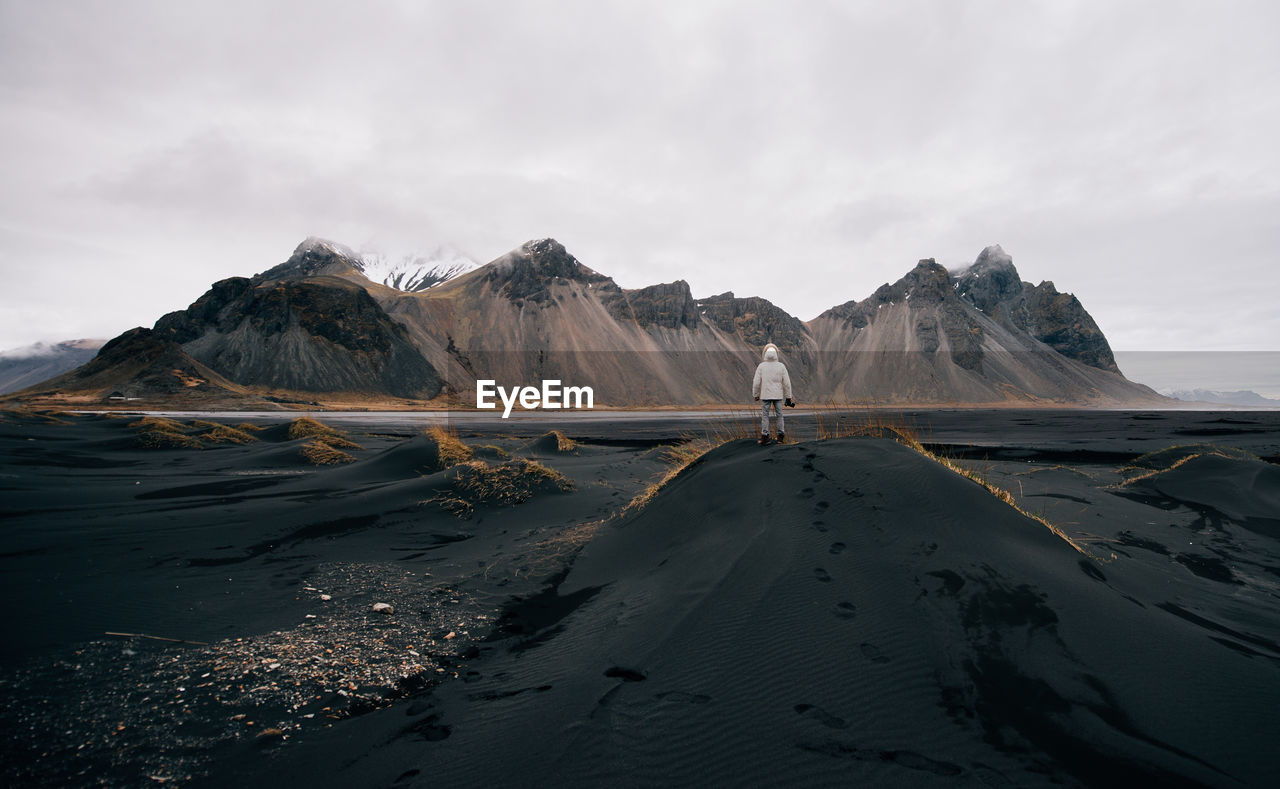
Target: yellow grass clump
pixel 563 442
pixel 509 484
pixel 166 439
pixel 452 450
pixel 158 423
pixel 250 427
pixel 493 451
pixel 157 432
pixel 306 427
pixel 678 457
pixel 225 434
pixel 1170 458
pixel 320 453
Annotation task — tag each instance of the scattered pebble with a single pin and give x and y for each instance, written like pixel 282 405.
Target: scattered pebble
pixel 158 710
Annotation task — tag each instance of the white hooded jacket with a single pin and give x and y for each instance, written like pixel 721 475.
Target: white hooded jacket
pixel 772 381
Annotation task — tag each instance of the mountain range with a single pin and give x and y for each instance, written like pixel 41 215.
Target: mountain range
pixel 327 324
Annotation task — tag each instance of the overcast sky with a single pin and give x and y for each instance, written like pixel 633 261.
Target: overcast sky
pixel 802 151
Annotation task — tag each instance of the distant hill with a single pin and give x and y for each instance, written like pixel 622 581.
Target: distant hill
pixel 23 367
pixel 317 324
pixel 1227 398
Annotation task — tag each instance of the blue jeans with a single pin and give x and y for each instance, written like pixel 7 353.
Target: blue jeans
pixel 764 416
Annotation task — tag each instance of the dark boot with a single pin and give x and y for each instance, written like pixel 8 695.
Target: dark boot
pixel 764 439
pixel 782 438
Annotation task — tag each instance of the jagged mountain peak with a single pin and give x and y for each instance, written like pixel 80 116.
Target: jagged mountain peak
pixel 546 256
pixel 993 256
pixel 990 280
pixel 312 258
pixel 528 271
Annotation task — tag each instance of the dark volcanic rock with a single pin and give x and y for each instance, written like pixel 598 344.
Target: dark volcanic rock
pixel 321 335
pixel 208 311
pixel 927 283
pixel 144 362
pixel 670 305
pixel 992 283
pixel 313 258
pixel 1060 321
pixel 926 287
pixel 139 345
pixel 527 274
pixel 756 321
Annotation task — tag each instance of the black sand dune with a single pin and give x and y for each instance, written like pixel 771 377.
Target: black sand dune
pixel 841 612
pixel 1238 490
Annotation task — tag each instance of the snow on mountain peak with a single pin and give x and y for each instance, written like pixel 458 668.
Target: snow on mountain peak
pixel 413 273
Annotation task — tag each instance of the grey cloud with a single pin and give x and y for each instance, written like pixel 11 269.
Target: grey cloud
pixel 803 152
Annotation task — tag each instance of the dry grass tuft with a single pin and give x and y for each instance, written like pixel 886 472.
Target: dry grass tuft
pixel 492 451
pixel 1170 458
pixel 166 439
pixel 563 442
pixel 508 484
pixel 678 457
pixel 906 437
pixel 452 450
pixel 157 432
pixel 225 434
pixel 320 453
pixel 553 441
pixel 731 426
pixel 340 441
pixel 306 427
pixel 158 423
pixel 250 427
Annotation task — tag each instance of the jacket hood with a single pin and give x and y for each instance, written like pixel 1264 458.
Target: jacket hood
pixel 770 353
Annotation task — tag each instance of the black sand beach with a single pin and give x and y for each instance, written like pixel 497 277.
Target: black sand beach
pixel 826 612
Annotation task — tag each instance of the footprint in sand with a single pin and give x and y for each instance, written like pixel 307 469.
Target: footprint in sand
pixel 822 575
pixel 821 716
pixel 821 506
pixel 915 761
pixel 681 696
pixel 807 493
pixel 846 610
pixel 836 548
pixel 872 652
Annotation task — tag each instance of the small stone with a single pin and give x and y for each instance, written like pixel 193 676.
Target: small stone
pixel 450 635
pixel 326 597
pixel 383 608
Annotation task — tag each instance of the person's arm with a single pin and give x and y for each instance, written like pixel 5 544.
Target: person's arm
pixel 755 385
pixel 786 381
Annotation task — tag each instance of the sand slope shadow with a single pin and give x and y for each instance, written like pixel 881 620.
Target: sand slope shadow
pixel 721 633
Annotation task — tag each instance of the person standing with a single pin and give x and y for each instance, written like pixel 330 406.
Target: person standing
pixel 772 385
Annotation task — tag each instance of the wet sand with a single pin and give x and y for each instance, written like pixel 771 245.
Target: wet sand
pixel 817 613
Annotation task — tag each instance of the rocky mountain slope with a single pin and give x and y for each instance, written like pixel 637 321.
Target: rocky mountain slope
pixel 317 323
